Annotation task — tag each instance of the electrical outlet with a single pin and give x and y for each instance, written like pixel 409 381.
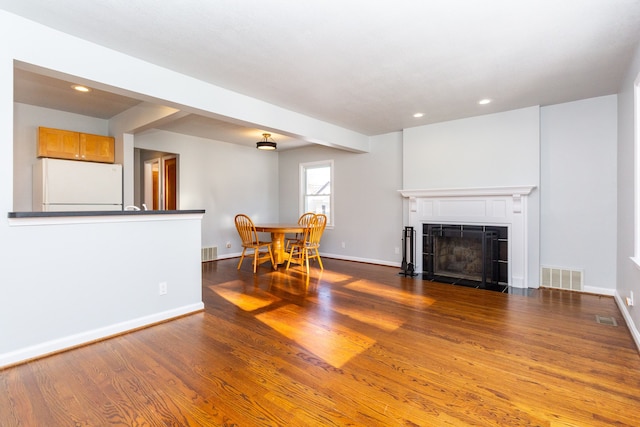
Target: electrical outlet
pixel 397 251
pixel 343 245
pixel 162 288
pixel 228 244
pixel 631 298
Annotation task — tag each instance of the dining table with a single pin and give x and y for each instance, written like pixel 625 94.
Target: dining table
pixel 278 232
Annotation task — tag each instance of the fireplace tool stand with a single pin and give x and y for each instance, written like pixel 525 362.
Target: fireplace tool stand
pixel 408 247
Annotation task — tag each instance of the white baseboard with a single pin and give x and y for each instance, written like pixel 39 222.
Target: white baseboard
pixel 599 291
pixel 71 341
pixel 227 256
pixel 627 318
pixel 334 256
pixel 365 260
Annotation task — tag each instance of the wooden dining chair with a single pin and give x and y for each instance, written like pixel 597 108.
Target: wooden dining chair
pixel 249 236
pixel 301 252
pixel 304 220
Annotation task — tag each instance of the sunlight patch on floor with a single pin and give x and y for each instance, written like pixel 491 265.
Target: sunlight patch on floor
pixel 332 276
pixel 237 294
pixel 400 296
pixel 295 283
pixel 383 321
pixel 327 339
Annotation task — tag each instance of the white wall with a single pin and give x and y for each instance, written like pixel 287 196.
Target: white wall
pixel 486 151
pixel 628 273
pixel 368 208
pixel 222 178
pixel 578 196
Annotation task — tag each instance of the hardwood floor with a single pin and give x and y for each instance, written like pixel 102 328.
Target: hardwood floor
pixel 357 345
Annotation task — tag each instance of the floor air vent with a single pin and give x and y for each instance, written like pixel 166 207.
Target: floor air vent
pixel 561 278
pixel 606 320
pixel 209 254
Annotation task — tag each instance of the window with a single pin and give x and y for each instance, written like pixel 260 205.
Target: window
pixel 316 188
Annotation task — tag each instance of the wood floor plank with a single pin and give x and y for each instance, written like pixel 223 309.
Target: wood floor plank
pixel 355 344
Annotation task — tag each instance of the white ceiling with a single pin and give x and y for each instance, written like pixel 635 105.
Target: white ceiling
pixel 366 65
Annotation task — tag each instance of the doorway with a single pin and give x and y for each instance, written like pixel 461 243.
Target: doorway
pixel 159 180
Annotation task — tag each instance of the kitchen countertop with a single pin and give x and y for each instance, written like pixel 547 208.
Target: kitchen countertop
pixel 100 213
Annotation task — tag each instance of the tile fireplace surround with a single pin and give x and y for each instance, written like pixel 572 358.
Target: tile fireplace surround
pixel 504 206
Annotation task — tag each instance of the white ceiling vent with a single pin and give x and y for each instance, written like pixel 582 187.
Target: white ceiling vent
pixel 561 278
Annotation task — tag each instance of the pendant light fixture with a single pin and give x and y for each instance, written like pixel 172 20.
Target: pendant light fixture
pixel 265 144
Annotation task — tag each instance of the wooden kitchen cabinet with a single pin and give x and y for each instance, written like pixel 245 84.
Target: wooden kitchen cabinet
pixel 65 144
pixel 60 144
pixel 97 148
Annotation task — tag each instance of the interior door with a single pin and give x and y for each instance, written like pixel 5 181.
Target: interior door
pixel 170 184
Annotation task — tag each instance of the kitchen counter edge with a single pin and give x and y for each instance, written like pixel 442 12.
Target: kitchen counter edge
pixel 100 213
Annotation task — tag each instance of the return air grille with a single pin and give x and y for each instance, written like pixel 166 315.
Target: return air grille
pixel 606 320
pixel 561 278
pixel 209 254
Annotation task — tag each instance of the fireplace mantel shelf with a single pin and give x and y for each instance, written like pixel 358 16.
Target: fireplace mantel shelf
pixel 521 190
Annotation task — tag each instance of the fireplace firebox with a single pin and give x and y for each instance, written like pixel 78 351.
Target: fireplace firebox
pixel 468 255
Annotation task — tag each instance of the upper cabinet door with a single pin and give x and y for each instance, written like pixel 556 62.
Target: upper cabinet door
pixel 61 144
pixel 97 148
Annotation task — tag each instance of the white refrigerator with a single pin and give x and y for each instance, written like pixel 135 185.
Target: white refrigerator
pixel 70 185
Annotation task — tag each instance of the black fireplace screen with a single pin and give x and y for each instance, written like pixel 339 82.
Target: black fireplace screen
pixel 475 255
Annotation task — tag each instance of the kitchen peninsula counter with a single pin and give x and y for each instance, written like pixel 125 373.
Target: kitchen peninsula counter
pixel 86 217
pixel 100 213
pixel 108 272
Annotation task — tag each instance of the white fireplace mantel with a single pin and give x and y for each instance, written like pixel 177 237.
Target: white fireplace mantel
pixel 488 205
pixel 522 190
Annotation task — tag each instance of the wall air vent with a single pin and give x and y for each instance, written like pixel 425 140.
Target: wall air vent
pixel 561 278
pixel 209 254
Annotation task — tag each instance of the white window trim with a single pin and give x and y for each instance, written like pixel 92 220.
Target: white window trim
pixel 302 189
pixel 636 130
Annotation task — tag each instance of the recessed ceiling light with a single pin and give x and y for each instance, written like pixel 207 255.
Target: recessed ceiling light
pixel 484 101
pixel 418 115
pixel 81 88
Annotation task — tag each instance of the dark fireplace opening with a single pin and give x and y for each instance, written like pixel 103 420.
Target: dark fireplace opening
pixel 468 255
